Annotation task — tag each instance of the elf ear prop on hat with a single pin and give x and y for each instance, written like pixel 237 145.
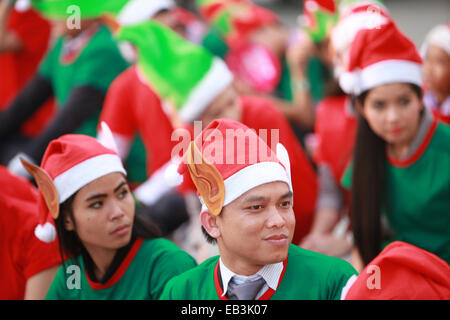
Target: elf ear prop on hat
pixel 45 185
pixel 207 179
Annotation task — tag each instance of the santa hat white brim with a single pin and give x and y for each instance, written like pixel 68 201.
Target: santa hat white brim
pixel 85 172
pixel 215 81
pixel 384 72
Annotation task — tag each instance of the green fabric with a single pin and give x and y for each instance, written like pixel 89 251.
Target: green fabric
pixel 215 44
pixel 165 59
pixel 97 66
pixel 320 23
pixel 418 204
pixel 308 276
pixel 62 9
pixel 155 263
pixel 317 75
pixel 136 162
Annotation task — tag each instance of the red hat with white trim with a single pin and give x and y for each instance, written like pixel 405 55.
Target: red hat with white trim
pixel 402 271
pixel 379 56
pixel 228 159
pixel 69 163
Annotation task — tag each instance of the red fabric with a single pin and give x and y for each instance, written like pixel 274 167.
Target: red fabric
pixel 17 187
pixel 441 117
pixel 69 150
pixel 405 272
pixel 18 67
pixel 379 44
pixel 130 107
pixel 335 130
pixel 22 255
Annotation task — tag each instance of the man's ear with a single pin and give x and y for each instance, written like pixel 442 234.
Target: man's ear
pixel 69 225
pixel 209 222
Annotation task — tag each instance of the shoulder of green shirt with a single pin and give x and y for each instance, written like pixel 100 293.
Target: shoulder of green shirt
pixel 336 270
pixel 177 286
pixel 166 261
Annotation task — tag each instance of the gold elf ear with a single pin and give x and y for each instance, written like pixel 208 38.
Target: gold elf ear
pixel 45 185
pixel 207 179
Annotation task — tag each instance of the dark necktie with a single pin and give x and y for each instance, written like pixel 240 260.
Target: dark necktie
pixel 246 290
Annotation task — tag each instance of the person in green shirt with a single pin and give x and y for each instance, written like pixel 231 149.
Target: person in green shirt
pixel 299 67
pixel 247 212
pixel 109 251
pixel 77 71
pixel 400 168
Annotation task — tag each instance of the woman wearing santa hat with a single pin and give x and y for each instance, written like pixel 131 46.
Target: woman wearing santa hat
pixel 401 157
pixel 83 184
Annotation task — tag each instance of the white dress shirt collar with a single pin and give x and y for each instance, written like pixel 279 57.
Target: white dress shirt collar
pixel 270 273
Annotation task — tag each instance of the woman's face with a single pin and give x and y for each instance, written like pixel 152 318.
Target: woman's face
pixel 103 211
pixel 393 112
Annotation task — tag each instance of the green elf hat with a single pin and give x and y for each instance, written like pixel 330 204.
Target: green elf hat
pixel 319 17
pixel 88 9
pixel 185 74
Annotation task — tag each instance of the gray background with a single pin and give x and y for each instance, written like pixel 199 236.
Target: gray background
pixel 415 17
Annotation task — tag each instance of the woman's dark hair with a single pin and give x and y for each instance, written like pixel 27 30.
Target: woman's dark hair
pixel 368 196
pixel 71 246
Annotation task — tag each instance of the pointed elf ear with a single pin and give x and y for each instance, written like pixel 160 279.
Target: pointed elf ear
pixel 207 179
pixel 45 185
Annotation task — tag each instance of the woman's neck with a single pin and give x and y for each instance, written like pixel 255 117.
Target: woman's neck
pixel 102 259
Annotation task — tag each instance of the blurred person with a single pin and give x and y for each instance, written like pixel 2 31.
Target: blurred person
pixel 206 94
pixel 111 251
pixel 133 109
pixel 71 72
pixel 436 71
pixel 29 261
pixel 400 166
pixel 24 39
pixel 269 59
pixel 247 212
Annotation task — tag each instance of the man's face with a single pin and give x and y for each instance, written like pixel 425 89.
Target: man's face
pixel 257 228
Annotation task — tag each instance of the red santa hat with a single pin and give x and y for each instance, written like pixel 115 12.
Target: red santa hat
pixel 404 272
pixel 228 159
pixel 379 56
pixel 69 163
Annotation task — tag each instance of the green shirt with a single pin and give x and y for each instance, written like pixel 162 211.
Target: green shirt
pixel 307 276
pixel 418 193
pixel 96 64
pixel 142 274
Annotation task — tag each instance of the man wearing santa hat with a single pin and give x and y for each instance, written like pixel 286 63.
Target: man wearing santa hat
pixel 247 212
